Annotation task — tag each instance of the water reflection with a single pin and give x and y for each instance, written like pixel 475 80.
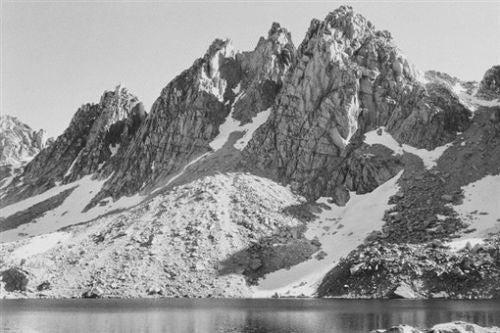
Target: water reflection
pixel 235 316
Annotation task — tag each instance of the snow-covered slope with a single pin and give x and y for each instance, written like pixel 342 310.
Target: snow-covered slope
pixel 71 210
pixel 340 230
pixel 480 208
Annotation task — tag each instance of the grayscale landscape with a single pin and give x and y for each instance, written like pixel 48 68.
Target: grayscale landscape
pixel 320 184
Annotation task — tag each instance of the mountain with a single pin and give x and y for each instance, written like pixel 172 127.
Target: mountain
pixel 334 168
pixel 19 143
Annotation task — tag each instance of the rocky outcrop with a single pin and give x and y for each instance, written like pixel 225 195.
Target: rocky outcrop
pixel 489 86
pixel 14 279
pixel 383 270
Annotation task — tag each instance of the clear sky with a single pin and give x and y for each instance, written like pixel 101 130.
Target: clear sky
pixel 58 55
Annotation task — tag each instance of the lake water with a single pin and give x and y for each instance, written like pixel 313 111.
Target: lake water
pixel 236 315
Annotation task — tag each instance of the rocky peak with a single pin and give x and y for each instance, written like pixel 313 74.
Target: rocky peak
pixel 19 143
pixel 342 29
pixel 41 138
pixel 215 72
pixel 120 114
pixel 349 78
pixel 278 44
pixel 489 86
pixel 263 72
pixel 96 132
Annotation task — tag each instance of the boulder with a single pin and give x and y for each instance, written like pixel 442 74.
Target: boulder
pixel 255 264
pixel 15 279
pixel 440 295
pixel 154 290
pixel 356 268
pixel 94 292
pixel 405 291
pixel 45 285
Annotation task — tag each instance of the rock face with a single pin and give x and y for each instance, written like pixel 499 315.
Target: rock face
pixel 349 78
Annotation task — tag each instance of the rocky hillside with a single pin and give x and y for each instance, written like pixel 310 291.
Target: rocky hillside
pixel 334 168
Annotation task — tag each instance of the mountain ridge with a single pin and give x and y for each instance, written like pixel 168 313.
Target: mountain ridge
pixel 328 125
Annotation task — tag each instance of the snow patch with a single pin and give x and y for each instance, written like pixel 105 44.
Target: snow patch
pixel 382 137
pixel 231 125
pixel 340 230
pixel 70 212
pixel 441 217
pixel 70 169
pixel 27 203
pixel 114 149
pixel 237 89
pixel 39 244
pixel 480 206
pixel 471 101
pixel 250 128
pixel 457 245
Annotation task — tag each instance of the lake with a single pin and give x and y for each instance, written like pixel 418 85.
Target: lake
pixel 236 315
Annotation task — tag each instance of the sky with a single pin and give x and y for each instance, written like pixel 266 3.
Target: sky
pixel 57 55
